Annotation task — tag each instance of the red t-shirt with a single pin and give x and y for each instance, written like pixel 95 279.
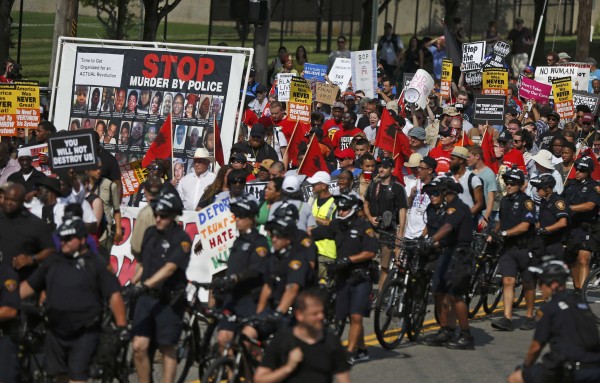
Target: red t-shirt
pixel 514 156
pixel 331 125
pixel 442 157
pixel 343 137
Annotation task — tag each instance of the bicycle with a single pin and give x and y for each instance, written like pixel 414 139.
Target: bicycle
pixel 32 331
pixel 591 292
pixel 327 286
pixel 485 263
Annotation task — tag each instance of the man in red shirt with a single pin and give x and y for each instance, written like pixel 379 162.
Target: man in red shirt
pixel 343 137
pixel 335 122
pixel 279 121
pixel 441 153
pixel 511 155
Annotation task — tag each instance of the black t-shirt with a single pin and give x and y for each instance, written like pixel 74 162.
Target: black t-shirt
pixel 551 211
pixel 384 198
pixel 110 166
pixel 580 192
pixel 28 184
pixel 9 289
pixel 515 209
pixel 459 216
pixel 320 363
pixel 518 40
pixel 546 139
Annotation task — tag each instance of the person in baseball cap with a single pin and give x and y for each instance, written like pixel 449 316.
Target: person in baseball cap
pixel 319 177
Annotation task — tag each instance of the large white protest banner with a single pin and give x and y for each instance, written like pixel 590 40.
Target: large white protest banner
pixel 364 72
pixel 579 76
pixel 341 73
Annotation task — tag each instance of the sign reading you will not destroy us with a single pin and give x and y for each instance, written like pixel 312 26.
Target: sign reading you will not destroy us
pixel 73 149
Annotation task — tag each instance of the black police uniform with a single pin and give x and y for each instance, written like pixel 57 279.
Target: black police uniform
pixel 566 323
pixel 285 267
pixel 453 268
pixel 305 245
pixel 353 286
pixel 248 260
pixel 582 234
pixel 77 291
pixel 159 313
pixel 551 211
pixel 9 297
pixel 515 254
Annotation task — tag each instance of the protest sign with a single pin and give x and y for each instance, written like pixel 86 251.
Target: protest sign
pixel 19 106
pixel 473 55
pixel 284 81
pixel 75 149
pixel 256 188
pixel 495 81
pixel 446 83
pixel 299 105
pixel 326 93
pixel 585 98
pixel 130 177
pixel 419 88
pixel 406 78
pixel 39 152
pixel 307 189
pixel 315 71
pixel 579 76
pixel 364 72
pixel 217 230
pixel 489 109
pixel 473 78
pixel 497 59
pixel 532 90
pixel 341 72
pixel 562 89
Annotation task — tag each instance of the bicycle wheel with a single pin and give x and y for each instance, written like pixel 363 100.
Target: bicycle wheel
pixel 222 370
pixel 591 292
pixel 519 292
pixel 390 319
pixel 474 297
pixel 493 287
pixel 187 349
pixel 334 325
pixel 417 308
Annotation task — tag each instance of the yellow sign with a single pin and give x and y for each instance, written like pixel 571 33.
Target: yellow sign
pixel 446 83
pixel 19 106
pixel 562 89
pixel 299 105
pixel 495 81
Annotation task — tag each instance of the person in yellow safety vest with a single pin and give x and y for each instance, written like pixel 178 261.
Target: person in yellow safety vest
pixel 323 209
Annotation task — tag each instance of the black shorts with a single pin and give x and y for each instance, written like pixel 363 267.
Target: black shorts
pixel 72 356
pixel 244 308
pixel 452 273
pixel 515 261
pixel 556 250
pixel 353 298
pixel 158 321
pixel 440 282
pixel 9 365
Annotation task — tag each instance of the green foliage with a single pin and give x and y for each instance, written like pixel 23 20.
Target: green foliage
pixel 114 17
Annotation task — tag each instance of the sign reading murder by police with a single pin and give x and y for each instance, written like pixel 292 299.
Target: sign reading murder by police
pixel 216 227
pixel 75 150
pixel 585 98
pixel 299 105
pixel 562 89
pixel 446 83
pixel 489 109
pixel 19 106
pixel 495 81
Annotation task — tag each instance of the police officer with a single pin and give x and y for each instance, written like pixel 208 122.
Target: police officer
pixel 553 217
pixel 515 228
pixel 583 196
pixel 356 247
pixel 566 323
pixel 159 311
pixel 246 266
pixel 453 269
pixel 9 308
pixel 78 283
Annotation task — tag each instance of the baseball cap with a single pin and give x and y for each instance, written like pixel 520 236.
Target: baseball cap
pixel 387 162
pixel 505 136
pixel 553 114
pixel 261 88
pixel 346 153
pixel 460 151
pixel 291 184
pixel 239 157
pixel 528 69
pixel 319 177
pixel 418 133
pixel 338 104
pixel 265 165
pixel 258 130
pixel 349 96
pixel 430 162
pixel 591 60
pixel 24 152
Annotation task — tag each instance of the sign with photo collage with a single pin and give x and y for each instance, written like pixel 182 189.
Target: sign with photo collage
pixel 125 94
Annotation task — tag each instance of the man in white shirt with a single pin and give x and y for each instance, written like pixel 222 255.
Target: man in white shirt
pixel 192 186
pixel 259 104
pixel 472 194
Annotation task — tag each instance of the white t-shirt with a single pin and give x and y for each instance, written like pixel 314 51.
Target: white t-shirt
pixel 415 221
pixel 465 196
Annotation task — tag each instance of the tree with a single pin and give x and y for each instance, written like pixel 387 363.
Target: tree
pixel 114 17
pixel 154 12
pixel 584 25
pixel 5 26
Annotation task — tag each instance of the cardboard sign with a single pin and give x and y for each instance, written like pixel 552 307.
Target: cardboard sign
pixel 364 72
pixel 131 177
pixel 446 83
pixel 489 109
pixel 217 230
pixel 532 90
pixel 283 86
pixel 585 98
pixel 495 81
pixel 75 149
pixel 341 72
pixel 327 93
pixel 473 55
pixel 562 89
pixel 19 106
pixel 579 76
pixel 315 71
pixel 299 105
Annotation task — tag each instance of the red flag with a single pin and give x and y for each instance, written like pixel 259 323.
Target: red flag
pixel 162 147
pixel 296 143
pixel 489 155
pixel 587 152
pixel 219 157
pixel 313 159
pixel 386 132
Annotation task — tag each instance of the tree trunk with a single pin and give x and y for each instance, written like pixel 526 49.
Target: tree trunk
pixel 151 20
pixel 261 48
pixel 122 17
pixel 365 34
pixel 584 25
pixel 5 8
pixel 65 24
pixel 450 8
pixel 539 55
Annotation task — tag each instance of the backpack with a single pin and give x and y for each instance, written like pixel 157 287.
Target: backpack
pixel 472 191
pixel 103 221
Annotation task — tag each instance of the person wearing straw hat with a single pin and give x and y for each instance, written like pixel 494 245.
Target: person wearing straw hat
pixel 413 165
pixel 192 186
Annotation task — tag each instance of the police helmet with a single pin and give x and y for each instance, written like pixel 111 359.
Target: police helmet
pixel 169 203
pixel 551 271
pixel 444 184
pixel 287 210
pixel 347 200
pixel 283 227
pixel 244 206
pixel 514 174
pixel 72 227
pixel 585 164
pixel 543 181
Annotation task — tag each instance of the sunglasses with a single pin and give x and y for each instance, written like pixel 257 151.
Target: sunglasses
pixel 343 208
pixel 161 215
pixel 67 238
pixel 552 119
pixel 512 183
pixel 517 141
pixel 238 181
pixel 434 193
pixel 153 168
pixel 237 161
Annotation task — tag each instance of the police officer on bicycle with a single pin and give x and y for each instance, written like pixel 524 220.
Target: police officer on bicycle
pixel 583 196
pixel 553 218
pixel 356 247
pixel 515 230
pixel 158 316
pixel 246 266
pixel 9 310
pixel 566 323
pixel 454 266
